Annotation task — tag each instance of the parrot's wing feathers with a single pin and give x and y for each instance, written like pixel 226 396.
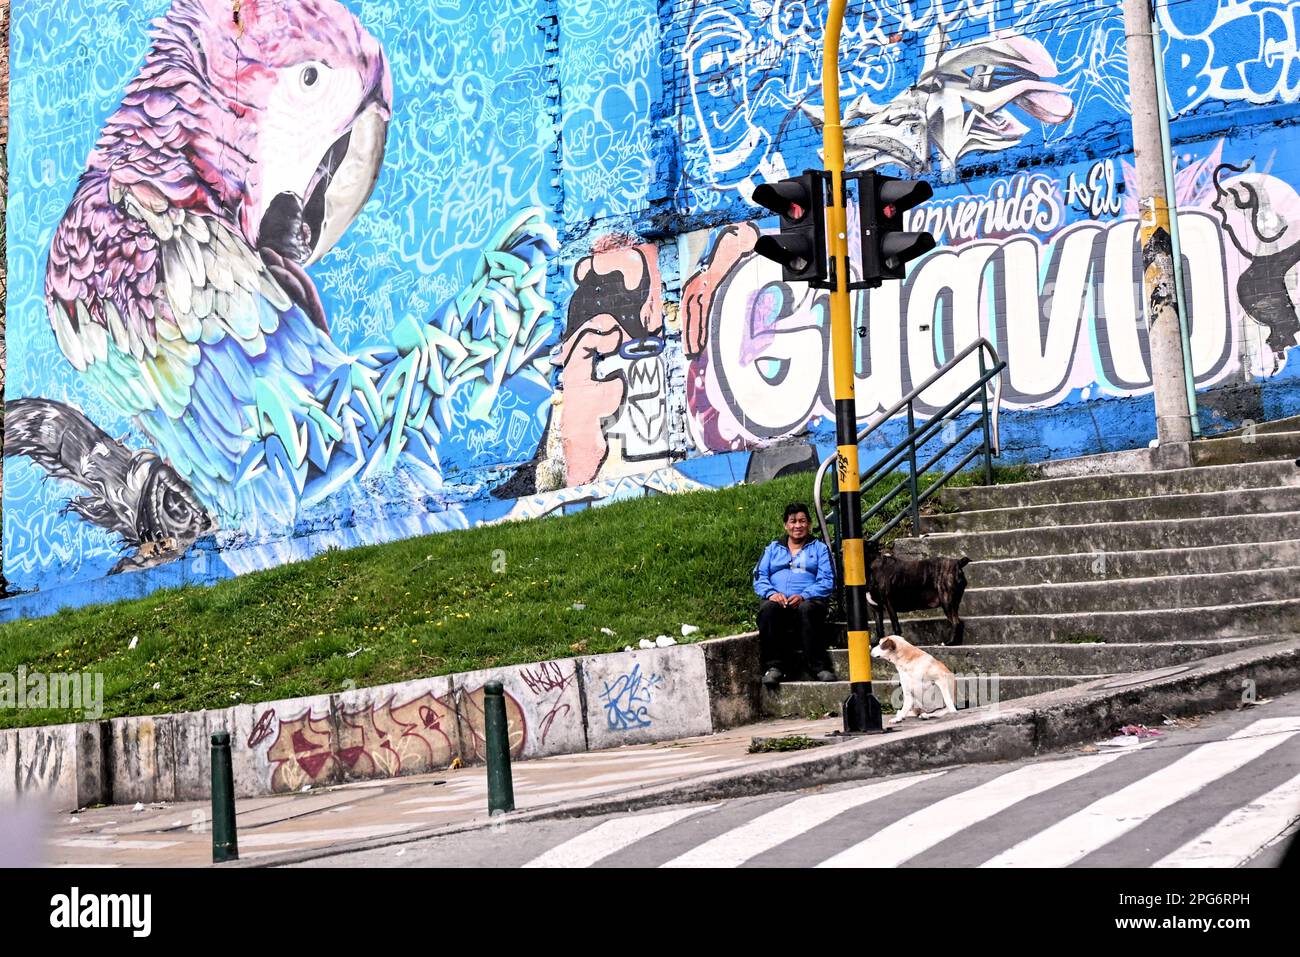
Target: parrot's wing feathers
pixel 220 374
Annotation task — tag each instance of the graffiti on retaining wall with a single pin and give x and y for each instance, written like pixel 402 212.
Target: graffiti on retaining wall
pixel 383 739
pixel 628 698
pixel 760 349
pixel 548 681
pixel 263 728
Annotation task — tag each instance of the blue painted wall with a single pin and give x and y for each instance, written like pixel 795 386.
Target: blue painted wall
pixel 666 356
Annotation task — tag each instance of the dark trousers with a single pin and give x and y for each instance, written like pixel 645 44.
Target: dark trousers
pixel 793 637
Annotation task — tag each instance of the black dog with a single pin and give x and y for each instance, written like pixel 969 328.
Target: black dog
pixel 901 584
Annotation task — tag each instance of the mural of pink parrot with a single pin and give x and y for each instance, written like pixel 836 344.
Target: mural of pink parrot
pixel 177 284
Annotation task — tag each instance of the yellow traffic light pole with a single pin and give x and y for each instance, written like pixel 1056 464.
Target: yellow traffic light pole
pixel 861 710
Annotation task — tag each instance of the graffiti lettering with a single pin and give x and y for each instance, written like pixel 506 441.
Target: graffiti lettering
pixel 1246 51
pixel 548 677
pixel 1097 194
pixel 262 729
pixel 764 370
pixel 628 698
pixel 1024 204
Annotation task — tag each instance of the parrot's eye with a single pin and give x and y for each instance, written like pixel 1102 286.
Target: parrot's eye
pixel 309 76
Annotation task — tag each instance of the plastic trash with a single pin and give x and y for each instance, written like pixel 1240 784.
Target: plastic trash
pixel 608 631
pixel 689 630
pixel 663 641
pixel 1140 731
pixel 135 640
pixel 647 643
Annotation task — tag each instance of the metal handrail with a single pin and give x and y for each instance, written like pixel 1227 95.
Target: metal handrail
pixel 905 401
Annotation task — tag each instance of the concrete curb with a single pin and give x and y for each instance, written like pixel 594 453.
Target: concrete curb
pixel 1042 723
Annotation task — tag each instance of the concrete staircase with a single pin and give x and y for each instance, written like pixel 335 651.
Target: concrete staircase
pixel 1093 571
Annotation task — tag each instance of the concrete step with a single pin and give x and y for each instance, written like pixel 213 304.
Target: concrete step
pixel 816 698
pixel 1121 485
pixel 1272 446
pixel 1197 505
pixel 1171 591
pixel 1156 624
pixel 1056 569
pixel 1269 446
pixel 1064 659
pixel 1115 537
pixel 1289 424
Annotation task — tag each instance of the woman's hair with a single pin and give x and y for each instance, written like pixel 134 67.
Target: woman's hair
pixel 794 508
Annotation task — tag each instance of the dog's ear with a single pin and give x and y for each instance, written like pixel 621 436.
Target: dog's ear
pixel 963 562
pixel 888 645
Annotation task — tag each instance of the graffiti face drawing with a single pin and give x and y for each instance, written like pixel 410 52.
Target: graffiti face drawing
pixel 717 57
pixel 1254 211
pixel 615 382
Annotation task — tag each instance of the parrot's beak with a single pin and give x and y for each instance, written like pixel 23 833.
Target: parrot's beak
pixel 344 180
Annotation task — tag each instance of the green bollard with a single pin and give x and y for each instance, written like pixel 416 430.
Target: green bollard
pixel 501 791
pixel 225 845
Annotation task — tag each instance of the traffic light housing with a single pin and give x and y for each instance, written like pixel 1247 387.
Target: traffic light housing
pixel 800 248
pixel 886 248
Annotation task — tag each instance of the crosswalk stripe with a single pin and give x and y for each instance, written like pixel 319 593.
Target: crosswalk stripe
pixel 1109 818
pixel 734 847
pixel 922 830
pixel 1240 835
pixel 611 837
pixel 115 844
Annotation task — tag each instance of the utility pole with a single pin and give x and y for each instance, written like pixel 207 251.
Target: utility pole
pixel 1173 418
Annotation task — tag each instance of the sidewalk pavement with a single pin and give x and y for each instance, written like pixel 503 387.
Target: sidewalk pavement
pixel 178 835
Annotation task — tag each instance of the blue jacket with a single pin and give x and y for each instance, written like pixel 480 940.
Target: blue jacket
pixel 811 573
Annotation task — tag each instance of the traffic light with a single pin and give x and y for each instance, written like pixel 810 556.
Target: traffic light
pixel 801 247
pixel 886 249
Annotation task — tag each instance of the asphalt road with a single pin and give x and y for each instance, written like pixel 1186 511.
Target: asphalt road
pixel 1219 791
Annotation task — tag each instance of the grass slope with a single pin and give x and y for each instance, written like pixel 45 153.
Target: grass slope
pixel 459 601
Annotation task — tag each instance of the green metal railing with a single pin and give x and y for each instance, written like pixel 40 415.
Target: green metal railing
pixel 909 447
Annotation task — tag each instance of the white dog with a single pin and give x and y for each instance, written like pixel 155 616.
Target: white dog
pixel 917 670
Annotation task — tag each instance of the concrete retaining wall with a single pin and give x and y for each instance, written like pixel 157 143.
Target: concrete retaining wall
pixel 553 707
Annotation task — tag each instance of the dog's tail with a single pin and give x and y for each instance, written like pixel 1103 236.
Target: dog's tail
pixel 963 562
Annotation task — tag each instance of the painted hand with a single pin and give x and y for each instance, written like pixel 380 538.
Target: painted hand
pixel 735 242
